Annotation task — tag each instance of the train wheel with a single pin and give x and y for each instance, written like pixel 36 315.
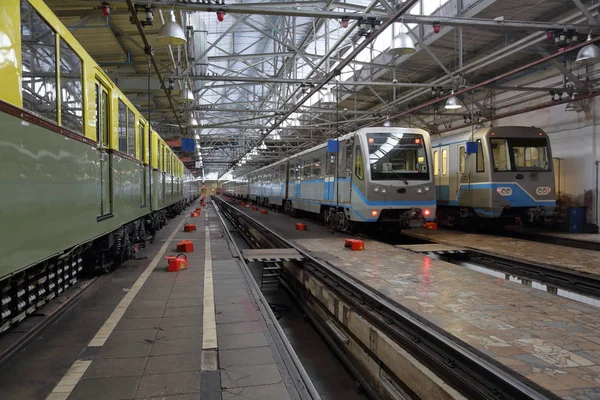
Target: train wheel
pixel 342 222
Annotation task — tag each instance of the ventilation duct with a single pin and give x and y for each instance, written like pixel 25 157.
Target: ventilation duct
pixel 197 46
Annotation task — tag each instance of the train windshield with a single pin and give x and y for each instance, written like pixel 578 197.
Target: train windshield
pixel 520 154
pixel 397 156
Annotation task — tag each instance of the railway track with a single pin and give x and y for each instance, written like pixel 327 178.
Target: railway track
pixel 470 372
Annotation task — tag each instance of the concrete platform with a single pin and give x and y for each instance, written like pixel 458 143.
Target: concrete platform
pixel 581 260
pixel 196 333
pixel 548 340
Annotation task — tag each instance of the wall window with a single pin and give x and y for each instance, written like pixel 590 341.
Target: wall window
pixel 480 163
pixel 444 162
pixel 130 134
pixel 462 159
pixel 71 93
pixel 436 163
pixel 38 52
pixel 122 127
pixel 358 164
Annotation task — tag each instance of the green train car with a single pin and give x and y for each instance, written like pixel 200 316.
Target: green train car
pixel 84 180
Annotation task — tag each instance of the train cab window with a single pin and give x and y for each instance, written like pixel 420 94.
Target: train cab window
pixel 444 162
pixel 71 92
pixel 122 129
pixel 38 54
pixel 500 155
pixel 480 162
pixel 436 163
pixel 130 133
pixel 462 159
pixel 358 164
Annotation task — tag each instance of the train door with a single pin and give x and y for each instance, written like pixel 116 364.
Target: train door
pixel 330 170
pixel 103 138
pixel 463 176
pixel 143 166
pixel 443 181
pixel 345 172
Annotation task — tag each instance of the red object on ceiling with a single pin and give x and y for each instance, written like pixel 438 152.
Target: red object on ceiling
pixel 174 142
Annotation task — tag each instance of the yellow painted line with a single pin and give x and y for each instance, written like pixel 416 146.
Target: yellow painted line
pixel 63 389
pixel 209 323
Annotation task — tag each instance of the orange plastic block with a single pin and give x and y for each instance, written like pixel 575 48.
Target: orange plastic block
pixel 189 227
pixel 254 208
pixel 198 210
pixel 357 245
pixel 177 263
pixel 185 246
pixel 264 212
pixel 247 205
pixel 301 227
pixel 195 214
pixel 431 225
pixel 348 242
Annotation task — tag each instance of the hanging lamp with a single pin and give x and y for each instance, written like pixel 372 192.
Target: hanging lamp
pixel 589 53
pixel 171 33
pixel 453 103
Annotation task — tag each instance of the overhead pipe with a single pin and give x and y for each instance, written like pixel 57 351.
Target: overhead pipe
pixel 494 79
pixel 150 53
pixel 484 61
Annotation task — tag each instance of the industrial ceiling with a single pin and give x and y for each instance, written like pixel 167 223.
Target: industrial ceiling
pixel 270 79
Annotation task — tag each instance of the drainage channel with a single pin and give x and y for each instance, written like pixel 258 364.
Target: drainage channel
pixel 387 343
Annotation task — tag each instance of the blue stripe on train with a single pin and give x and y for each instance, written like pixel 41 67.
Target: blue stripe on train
pixel 519 197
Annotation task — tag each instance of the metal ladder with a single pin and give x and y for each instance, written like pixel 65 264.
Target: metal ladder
pixel 271 276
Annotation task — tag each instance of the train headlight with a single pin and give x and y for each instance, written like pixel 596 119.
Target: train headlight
pixel 376 189
pixel 426 188
pixel 543 191
pixel 504 191
pixel 383 190
pixel 419 190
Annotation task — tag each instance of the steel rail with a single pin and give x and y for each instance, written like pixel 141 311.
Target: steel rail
pixel 461 366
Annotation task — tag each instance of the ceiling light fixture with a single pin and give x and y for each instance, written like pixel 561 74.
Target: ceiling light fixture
pixel 328 99
pixel 402 44
pixel 589 53
pixel 171 33
pixel 453 103
pixel 186 96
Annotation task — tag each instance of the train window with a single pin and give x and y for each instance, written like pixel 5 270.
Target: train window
pixel 462 159
pixel 38 55
pixel 158 157
pixel 444 162
pixel 307 170
pixel 130 133
pixel 316 167
pixel 348 168
pixel 122 129
pixel 71 93
pixel 500 154
pixel 529 154
pixel 102 115
pixel 480 163
pixel 436 163
pixel 358 164
pixel 141 144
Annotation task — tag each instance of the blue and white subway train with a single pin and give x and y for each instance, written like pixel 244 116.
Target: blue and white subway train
pixel 374 176
pixel 509 177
